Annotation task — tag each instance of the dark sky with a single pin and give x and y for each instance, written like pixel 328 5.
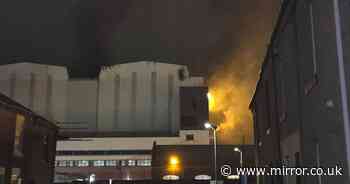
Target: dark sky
pixel 85 34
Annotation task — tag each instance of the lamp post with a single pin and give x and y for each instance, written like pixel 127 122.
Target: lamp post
pixel 213 128
pixel 92 178
pixel 236 149
pixel 241 155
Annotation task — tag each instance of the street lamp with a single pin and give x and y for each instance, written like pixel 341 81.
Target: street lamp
pixel 208 125
pixel 236 149
pixel 241 155
pixel 92 178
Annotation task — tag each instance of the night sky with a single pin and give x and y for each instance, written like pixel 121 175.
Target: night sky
pixel 85 34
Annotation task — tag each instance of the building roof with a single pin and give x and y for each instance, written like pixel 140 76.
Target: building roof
pixel 12 105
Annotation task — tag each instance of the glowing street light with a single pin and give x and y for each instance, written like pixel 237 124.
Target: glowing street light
pixel 236 149
pixel 92 178
pixel 233 177
pixel 174 160
pixel 213 127
pixel 207 125
pixel 174 164
pixel 209 96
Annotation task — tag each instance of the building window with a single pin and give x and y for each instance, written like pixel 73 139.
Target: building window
pixel 82 163
pixel 189 137
pixel 111 163
pixel 99 163
pixel 144 163
pixel 46 148
pixel 123 163
pixel 148 162
pixel 62 163
pixel 70 163
pixel 131 163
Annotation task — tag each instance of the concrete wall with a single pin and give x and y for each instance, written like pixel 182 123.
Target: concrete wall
pixel 82 104
pixel 127 98
pixel 201 137
pixel 38 87
pixel 142 96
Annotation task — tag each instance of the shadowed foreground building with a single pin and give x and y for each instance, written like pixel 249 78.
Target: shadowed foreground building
pixel 300 106
pixel 28 145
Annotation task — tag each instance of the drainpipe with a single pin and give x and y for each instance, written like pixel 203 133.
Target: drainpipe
pixel 342 80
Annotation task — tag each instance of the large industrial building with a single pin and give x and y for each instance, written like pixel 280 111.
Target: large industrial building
pixel 111 123
pixel 140 97
pixel 300 106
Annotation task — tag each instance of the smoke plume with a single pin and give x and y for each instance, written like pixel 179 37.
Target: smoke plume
pixel 232 83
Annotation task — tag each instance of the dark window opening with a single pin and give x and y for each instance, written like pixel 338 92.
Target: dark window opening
pixel 189 137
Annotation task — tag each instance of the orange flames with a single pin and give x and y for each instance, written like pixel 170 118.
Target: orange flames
pixel 232 84
pixel 230 92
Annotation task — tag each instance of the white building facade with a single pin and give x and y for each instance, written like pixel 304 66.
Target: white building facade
pixel 127 98
pixel 112 122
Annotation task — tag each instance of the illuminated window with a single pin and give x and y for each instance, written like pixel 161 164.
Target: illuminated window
pixel 131 162
pixel 148 162
pixel 123 163
pixel 143 162
pixel 82 163
pixel 70 163
pixel 62 163
pixel 99 163
pixel 111 163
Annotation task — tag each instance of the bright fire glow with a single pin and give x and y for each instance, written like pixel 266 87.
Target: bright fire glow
pixel 231 89
pixel 233 77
